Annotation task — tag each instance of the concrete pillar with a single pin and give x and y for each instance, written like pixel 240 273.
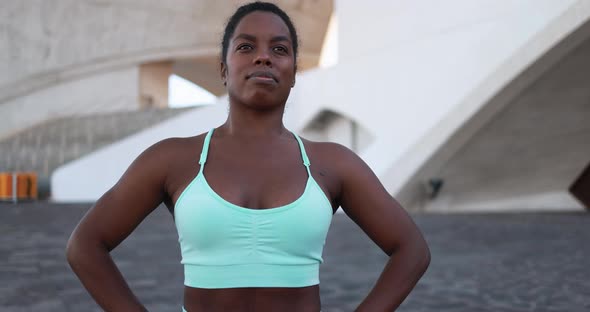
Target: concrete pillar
pixel 153 84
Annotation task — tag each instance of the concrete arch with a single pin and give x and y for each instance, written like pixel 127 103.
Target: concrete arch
pixel 337 126
pixel 66 39
pixel 82 45
pixel 459 161
pixel 94 67
pixel 412 81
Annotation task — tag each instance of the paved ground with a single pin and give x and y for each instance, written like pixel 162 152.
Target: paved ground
pixel 499 262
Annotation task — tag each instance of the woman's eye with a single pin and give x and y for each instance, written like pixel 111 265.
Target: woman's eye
pixel 280 49
pixel 244 47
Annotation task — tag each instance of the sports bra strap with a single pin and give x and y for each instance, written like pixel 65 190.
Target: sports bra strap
pixel 303 154
pixel 205 150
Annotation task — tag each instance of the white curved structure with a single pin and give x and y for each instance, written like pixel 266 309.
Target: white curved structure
pixel 423 79
pixel 67 57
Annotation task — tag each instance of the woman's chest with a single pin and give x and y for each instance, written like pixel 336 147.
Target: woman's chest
pixel 263 184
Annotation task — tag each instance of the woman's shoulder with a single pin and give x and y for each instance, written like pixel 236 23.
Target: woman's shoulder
pixel 172 145
pixel 335 156
pixel 328 150
pixel 171 150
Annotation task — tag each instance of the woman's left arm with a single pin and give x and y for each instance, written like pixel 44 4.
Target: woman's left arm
pixel 364 199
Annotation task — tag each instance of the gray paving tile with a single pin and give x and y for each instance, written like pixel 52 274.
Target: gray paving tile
pixel 496 262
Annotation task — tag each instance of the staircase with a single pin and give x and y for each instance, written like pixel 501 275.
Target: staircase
pixel 46 146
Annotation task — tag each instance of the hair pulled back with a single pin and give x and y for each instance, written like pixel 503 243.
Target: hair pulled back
pixel 246 9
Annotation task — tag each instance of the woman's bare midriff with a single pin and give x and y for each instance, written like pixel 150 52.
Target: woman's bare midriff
pixel 252 299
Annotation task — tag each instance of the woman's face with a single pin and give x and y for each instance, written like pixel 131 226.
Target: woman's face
pixel 260 65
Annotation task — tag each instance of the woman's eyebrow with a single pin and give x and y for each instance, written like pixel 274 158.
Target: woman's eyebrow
pixel 279 38
pixel 246 37
pixel 249 37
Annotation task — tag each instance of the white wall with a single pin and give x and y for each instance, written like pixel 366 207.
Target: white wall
pixel 44 43
pixel 47 41
pixel 71 182
pixel 400 80
pixel 533 147
pixel 113 91
pixel 410 72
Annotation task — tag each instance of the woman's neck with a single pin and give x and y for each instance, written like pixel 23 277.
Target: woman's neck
pixel 252 123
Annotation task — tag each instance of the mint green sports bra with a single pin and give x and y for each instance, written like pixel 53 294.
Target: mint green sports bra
pixel 224 245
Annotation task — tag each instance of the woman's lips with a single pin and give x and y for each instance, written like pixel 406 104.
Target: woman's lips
pixel 263 80
pixel 263 77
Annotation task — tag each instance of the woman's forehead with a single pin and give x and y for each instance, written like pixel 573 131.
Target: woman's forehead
pixel 259 24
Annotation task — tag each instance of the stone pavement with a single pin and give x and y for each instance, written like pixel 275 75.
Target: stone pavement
pixel 494 262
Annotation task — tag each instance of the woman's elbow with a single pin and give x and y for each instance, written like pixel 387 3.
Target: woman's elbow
pixel 423 254
pixel 78 248
pixel 426 257
pixel 72 250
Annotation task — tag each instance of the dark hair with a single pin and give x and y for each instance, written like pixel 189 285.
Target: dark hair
pixel 246 9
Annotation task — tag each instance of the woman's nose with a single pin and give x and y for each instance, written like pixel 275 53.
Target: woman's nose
pixel 262 58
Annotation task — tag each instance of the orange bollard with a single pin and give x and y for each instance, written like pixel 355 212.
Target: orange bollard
pixel 5 185
pixel 22 185
pixel 26 185
pixel 33 189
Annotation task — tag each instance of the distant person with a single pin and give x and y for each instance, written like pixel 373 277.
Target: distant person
pixel 252 202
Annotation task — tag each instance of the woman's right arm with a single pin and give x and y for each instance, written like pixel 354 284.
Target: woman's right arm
pixel 114 216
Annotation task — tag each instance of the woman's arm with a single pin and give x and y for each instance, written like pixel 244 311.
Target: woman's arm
pixel 364 199
pixel 114 216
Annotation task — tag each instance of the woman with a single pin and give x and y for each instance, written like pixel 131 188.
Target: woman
pixel 251 238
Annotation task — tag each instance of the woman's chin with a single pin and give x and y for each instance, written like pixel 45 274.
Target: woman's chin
pixel 267 101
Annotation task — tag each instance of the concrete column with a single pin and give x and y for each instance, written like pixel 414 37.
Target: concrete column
pixel 153 84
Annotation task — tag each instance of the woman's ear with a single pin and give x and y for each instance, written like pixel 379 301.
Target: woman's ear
pixel 223 72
